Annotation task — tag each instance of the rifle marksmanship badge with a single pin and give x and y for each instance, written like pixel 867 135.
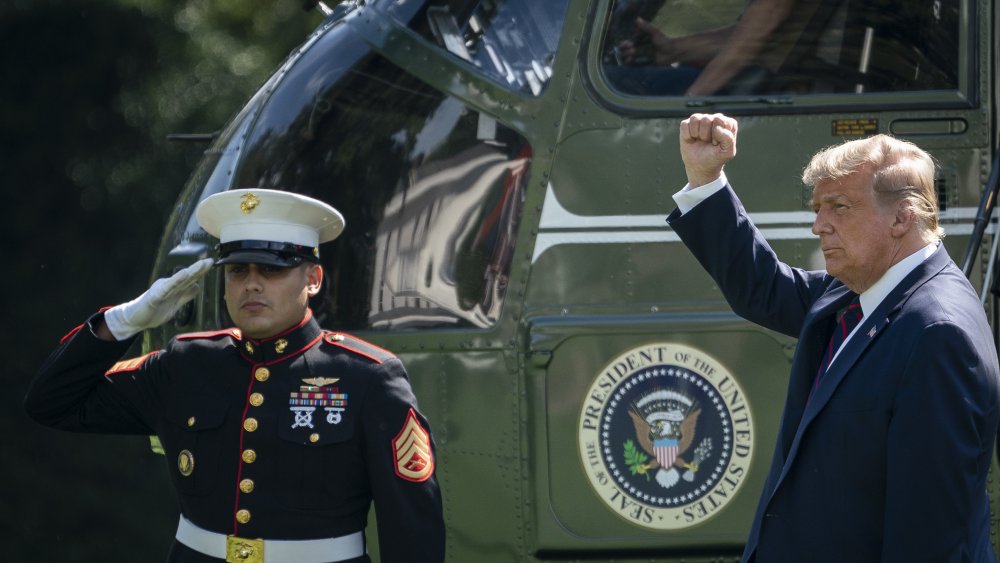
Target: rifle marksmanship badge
pixel 666 436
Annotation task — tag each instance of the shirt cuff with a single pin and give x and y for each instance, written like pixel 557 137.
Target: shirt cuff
pixel 689 197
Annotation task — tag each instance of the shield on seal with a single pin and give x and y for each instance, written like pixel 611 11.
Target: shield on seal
pixel 665 450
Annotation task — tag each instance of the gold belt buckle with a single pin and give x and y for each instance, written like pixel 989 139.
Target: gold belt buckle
pixel 243 550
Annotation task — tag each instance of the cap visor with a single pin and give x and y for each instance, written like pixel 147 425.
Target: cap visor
pixel 259 257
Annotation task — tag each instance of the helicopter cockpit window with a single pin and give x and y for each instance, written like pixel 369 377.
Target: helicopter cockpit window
pixel 781 47
pixel 430 189
pixel 512 42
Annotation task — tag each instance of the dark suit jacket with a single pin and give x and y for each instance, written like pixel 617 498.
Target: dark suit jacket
pixel 888 460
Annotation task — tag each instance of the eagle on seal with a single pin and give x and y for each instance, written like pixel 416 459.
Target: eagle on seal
pixel 666 418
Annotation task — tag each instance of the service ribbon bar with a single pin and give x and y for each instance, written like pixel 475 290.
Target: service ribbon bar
pixel 318 399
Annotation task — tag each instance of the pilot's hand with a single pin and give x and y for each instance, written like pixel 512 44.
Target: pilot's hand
pixel 158 303
pixel 708 142
pixel 663 50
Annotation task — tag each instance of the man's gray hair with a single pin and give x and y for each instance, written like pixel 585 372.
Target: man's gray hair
pixel 900 171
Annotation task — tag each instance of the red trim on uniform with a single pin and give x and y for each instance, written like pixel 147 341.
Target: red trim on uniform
pixel 71 334
pixel 411 450
pixel 295 353
pixel 243 417
pixel 246 400
pixel 305 319
pixel 239 472
pixel 329 337
pixel 302 323
pixel 132 364
pixel 234 332
pixel 375 346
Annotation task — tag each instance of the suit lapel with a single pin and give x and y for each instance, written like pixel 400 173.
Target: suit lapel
pixel 818 326
pixel 871 328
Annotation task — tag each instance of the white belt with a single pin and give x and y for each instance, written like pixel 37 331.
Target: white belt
pixel 327 550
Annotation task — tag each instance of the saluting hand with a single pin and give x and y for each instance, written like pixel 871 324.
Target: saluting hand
pixel 708 142
pixel 158 303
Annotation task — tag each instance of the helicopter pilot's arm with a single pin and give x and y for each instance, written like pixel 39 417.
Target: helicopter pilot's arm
pixel 695 50
pixel 74 390
pixel 721 53
pixel 713 224
pixel 748 38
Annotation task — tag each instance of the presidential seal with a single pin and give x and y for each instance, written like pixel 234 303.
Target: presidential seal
pixel 666 436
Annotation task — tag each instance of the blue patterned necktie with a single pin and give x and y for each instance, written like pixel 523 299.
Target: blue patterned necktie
pixel 847 319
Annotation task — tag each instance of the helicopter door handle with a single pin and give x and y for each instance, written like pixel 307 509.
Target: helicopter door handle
pixel 941 126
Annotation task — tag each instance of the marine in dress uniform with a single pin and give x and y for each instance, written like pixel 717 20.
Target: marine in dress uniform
pixel 276 444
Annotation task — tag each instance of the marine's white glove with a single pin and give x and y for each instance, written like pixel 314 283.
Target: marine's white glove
pixel 158 303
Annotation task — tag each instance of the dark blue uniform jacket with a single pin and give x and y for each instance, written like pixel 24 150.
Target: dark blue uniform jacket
pixel 287 438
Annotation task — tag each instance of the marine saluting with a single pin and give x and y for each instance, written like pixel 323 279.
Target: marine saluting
pixel 278 434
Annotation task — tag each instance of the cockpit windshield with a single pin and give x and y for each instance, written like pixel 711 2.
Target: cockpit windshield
pixel 512 42
pixel 431 189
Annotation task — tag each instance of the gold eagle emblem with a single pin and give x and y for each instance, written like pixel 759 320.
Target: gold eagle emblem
pixel 249 203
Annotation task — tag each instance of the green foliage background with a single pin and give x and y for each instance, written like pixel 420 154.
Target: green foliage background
pixel 89 89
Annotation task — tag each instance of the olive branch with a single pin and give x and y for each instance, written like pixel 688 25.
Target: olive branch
pixel 636 460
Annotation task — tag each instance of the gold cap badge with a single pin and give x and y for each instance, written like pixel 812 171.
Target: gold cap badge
pixel 249 203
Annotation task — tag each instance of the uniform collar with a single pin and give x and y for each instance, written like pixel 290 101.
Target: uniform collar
pixel 284 345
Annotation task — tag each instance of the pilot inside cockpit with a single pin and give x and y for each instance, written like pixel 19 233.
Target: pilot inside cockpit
pixel 655 47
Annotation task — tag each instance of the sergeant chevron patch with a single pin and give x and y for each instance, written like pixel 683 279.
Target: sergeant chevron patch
pixel 132 364
pixel 412 449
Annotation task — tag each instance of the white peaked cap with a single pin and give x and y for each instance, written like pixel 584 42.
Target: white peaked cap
pixel 269 215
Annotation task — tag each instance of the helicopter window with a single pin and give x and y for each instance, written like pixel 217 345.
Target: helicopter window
pixel 776 47
pixel 431 190
pixel 512 42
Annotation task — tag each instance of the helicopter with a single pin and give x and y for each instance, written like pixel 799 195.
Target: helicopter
pixel 505 168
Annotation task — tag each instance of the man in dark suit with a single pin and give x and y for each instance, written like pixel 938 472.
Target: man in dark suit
pixel 892 408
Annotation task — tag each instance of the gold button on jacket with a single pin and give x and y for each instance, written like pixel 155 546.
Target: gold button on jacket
pixel 250 424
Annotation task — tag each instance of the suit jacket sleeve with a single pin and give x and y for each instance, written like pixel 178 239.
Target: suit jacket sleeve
pixel 939 448
pixel 401 461
pixel 71 391
pixel 756 284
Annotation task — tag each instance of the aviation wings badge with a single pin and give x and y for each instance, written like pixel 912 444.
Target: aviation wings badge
pixel 320 381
